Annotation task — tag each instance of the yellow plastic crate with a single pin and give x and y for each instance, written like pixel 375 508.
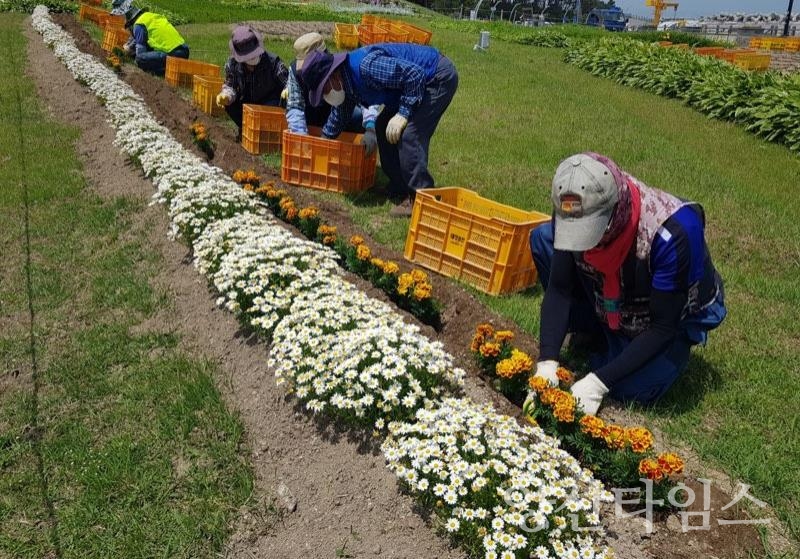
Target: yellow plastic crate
pixel 753 61
pixel 371 34
pixel 345 35
pixel 755 42
pixel 339 165
pixel 397 33
pixel 417 35
pixel 262 127
pixel 180 71
pixel 731 54
pixel 114 37
pixel 204 93
pixel 460 234
pixel 709 51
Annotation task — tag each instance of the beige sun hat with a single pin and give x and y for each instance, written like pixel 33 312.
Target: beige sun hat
pixel 306 44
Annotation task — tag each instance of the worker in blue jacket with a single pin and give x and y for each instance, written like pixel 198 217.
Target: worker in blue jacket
pixel 628 264
pixel 414 83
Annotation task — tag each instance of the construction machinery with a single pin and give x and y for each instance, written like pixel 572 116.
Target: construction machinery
pixel 612 19
pixel 658 7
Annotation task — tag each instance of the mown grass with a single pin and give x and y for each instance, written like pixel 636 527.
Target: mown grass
pixel 520 110
pixel 113 443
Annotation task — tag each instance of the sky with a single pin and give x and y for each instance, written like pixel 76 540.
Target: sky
pixel 695 8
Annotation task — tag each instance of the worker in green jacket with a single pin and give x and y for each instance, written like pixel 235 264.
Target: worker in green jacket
pixel 153 39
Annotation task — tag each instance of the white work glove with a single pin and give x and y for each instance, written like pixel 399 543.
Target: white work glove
pixel 223 100
pixel 588 393
pixel 285 94
pixel 546 370
pixel 129 49
pixel 395 128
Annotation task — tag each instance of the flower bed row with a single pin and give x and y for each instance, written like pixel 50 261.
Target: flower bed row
pixel 411 291
pixel 501 489
pixel 765 103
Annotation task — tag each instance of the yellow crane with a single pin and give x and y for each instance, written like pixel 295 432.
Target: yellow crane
pixel 659 6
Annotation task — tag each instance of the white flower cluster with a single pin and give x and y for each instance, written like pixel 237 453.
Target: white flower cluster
pixel 342 352
pixel 345 353
pixel 264 269
pixel 508 487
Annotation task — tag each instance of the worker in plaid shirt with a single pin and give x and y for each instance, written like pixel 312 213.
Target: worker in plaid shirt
pixel 414 83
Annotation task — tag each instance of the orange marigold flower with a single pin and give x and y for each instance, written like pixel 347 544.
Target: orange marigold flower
pixel 418 275
pixel 291 213
pixel 248 187
pixel 404 282
pixel 422 291
pixel 391 267
pixel 592 426
pixel 489 349
pixel 485 329
pixel 670 463
pixel 614 435
pixel 329 240
pixel 326 230
pixel 650 469
pixel 363 252
pixel 523 361
pixel 309 213
pixel 640 439
pixel 356 240
pixel 565 375
pixel 377 262
pixel 504 336
pixel 538 384
pixel 565 412
pixel 286 202
pixel 477 340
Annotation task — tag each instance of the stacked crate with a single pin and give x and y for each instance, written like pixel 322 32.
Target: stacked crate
pixel 180 72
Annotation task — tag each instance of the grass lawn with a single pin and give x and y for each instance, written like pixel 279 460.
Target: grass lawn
pixel 520 110
pixel 113 443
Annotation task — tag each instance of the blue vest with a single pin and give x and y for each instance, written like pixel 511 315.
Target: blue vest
pixel 426 57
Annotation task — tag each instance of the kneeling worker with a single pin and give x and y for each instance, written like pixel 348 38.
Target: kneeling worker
pixel 154 38
pixel 628 264
pixel 252 75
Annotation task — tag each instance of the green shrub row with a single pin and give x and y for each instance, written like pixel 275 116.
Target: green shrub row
pixel 27 6
pixel 765 103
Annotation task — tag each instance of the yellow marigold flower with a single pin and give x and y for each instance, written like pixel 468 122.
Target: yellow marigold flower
pixel 477 340
pixel 329 240
pixel 650 469
pixel 391 267
pixel 309 213
pixel 363 252
pixel 286 202
pixel 504 336
pixel 356 240
pixel 291 213
pixel 614 435
pixel 490 349
pixel 248 187
pixel 377 262
pixel 326 230
pixel 523 360
pixel 505 369
pixel 418 275
pixel 670 463
pixel 592 426
pixel 422 291
pixel 565 375
pixel 404 282
pixel 538 384
pixel 640 439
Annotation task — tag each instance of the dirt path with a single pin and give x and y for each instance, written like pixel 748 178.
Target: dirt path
pixel 320 492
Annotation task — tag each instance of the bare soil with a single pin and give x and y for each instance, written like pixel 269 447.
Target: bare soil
pixel 321 492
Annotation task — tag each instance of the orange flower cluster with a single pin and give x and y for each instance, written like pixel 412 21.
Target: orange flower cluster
pixel 115 63
pixel 356 240
pixel 482 332
pixel 266 188
pixel 565 375
pixel 538 384
pixel 286 204
pixel 246 177
pixel 328 234
pixel 415 284
pixel 562 402
pixel 639 439
pixel 592 426
pixel 390 267
pixel 659 468
pixel 363 252
pixel 490 349
pixel 503 336
pixel 199 131
pixel 519 363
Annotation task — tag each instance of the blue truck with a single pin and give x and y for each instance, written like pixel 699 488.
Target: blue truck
pixel 613 19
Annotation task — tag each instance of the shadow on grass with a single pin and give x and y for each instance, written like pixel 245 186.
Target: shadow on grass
pixel 699 378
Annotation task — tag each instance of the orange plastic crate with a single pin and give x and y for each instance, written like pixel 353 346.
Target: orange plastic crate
pixel 709 51
pixel 731 54
pixel 204 93
pixel 339 165
pixel 262 127
pixel 397 33
pixel 114 37
pixel 179 71
pixel 460 234
pixel 90 13
pixel 417 35
pixel 345 35
pixel 664 43
pixel 104 20
pixel 371 34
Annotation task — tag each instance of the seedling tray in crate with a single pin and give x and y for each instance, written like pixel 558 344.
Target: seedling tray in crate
pixel 339 165
pixel 460 234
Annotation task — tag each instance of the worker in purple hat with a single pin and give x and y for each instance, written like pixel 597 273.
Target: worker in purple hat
pixel 253 75
pixel 628 265
pixel 153 38
pixel 414 83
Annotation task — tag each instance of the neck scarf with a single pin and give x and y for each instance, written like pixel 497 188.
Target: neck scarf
pixel 607 258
